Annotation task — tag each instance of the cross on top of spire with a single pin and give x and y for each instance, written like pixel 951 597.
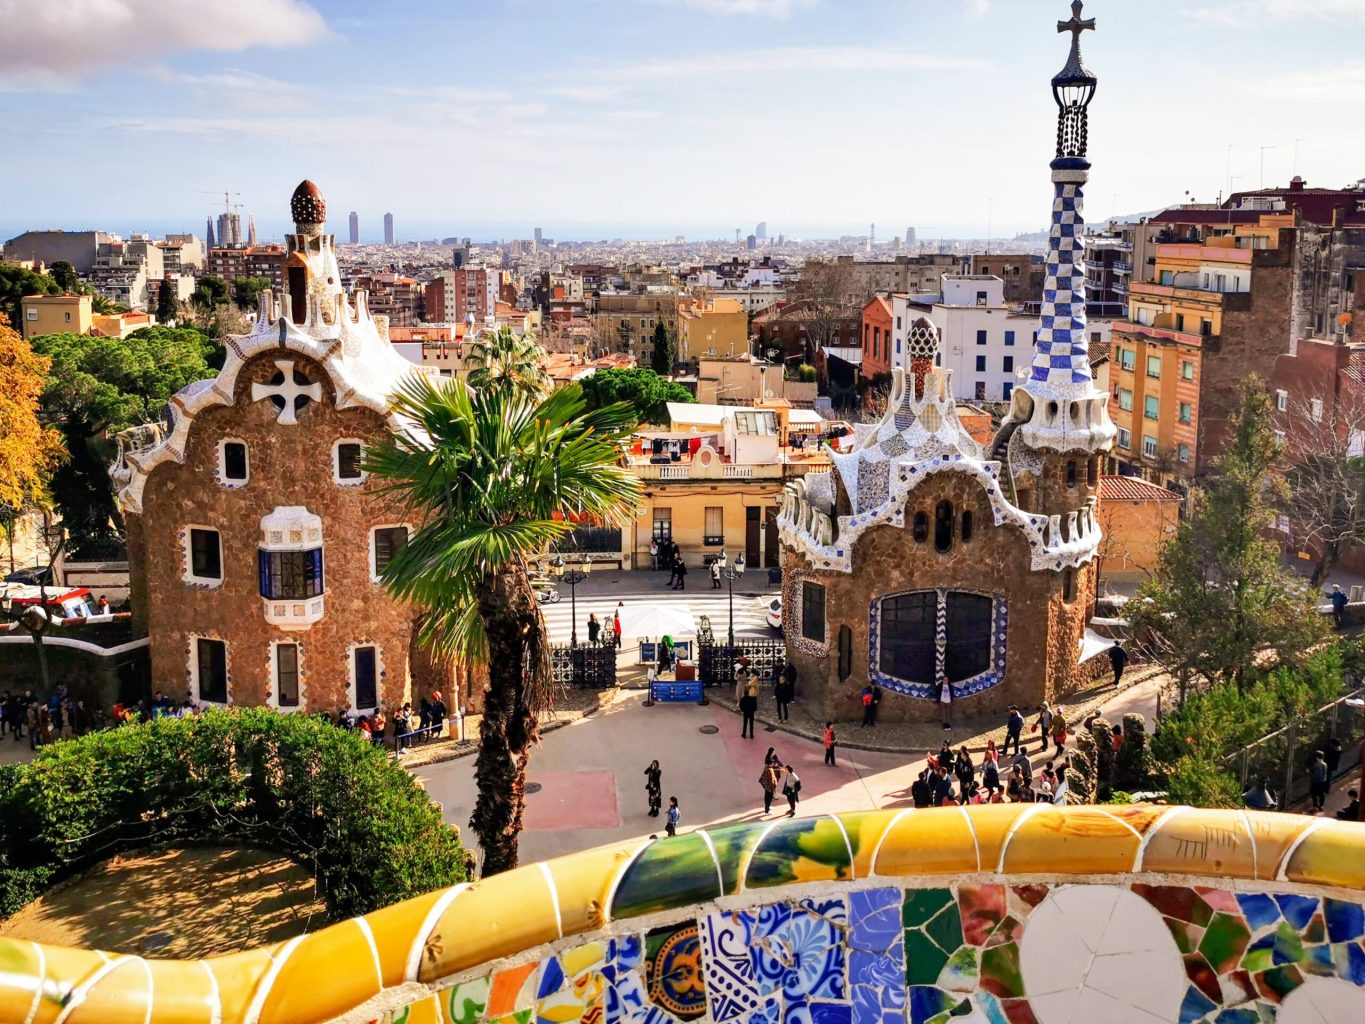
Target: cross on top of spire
pixel 1077 24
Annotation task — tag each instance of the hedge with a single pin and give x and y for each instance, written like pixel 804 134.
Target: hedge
pixel 253 777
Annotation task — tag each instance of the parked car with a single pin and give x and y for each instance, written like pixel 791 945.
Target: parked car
pixel 774 613
pixel 34 576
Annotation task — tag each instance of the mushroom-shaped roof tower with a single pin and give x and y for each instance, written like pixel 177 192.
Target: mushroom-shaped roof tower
pixel 307 205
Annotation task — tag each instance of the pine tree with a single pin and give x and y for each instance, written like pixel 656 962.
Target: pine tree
pixel 167 309
pixel 1220 607
pixel 663 356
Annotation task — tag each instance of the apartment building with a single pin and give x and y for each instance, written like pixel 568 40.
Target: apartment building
pixel 877 336
pixel 54 314
pixel 232 262
pixel 711 327
pixel 1216 311
pixel 631 317
pixel 1021 274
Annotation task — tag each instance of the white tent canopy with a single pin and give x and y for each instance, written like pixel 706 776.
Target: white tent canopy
pixel 655 620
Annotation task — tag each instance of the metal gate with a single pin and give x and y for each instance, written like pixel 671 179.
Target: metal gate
pixel 717 661
pixel 587 666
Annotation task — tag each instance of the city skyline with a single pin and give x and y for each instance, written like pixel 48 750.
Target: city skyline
pixel 549 128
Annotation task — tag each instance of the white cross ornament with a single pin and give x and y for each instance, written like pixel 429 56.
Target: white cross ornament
pixel 288 391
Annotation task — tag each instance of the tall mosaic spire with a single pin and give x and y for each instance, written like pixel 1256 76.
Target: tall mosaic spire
pixel 1058 405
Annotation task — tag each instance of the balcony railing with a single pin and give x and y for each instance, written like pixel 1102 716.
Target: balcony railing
pixel 1122 267
pixel 1120 287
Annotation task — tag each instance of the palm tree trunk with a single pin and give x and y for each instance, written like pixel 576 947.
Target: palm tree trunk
pixel 518 677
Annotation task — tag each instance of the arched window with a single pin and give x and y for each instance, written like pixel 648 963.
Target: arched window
pixel 1071 473
pixel 921 527
pixel 845 653
pixel 968 651
pixel 907 643
pixel 966 533
pixel 908 648
pixel 943 526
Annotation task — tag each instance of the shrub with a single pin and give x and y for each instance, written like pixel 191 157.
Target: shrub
pixel 289 783
pixel 805 373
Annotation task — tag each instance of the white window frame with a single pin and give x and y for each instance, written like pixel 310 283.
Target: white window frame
pixel 222 463
pixel 1125 439
pixel 1183 453
pixel 1184 363
pixel 374 563
pixel 193 659
pixel 274 698
pixel 379 671
pixel 1154 447
pixel 336 463
pixel 1281 400
pixel 1129 393
pixel 187 555
pixel 1315 410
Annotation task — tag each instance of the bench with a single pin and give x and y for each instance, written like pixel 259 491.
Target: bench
pixel 675 693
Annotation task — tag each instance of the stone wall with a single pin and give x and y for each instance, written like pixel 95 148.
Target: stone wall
pixel 289 465
pixel 1040 662
pixel 1009 914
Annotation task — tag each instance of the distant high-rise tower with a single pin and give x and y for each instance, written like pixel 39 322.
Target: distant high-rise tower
pixel 355 228
pixel 751 242
pixel 871 237
pixel 736 236
pixel 909 236
pixel 229 228
pixel 388 229
pixel 209 236
pixel 251 229
pixel 539 237
pixel 761 232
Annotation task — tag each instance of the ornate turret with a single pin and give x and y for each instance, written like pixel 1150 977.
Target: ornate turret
pixel 308 208
pixel 1059 408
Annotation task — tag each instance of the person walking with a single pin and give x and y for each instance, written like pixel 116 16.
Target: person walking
pixel 748 706
pixel 786 691
pixel 616 624
pixel 791 789
pixel 1333 757
pixel 920 792
pixel 680 571
pixel 668 558
pixel 715 574
pixel 868 713
pixel 1014 729
pixel 1339 600
pixel 1118 661
pixel 964 769
pixel 674 816
pixel 1318 779
pixel 654 776
pixel 594 629
pixel 769 780
pixel 1043 725
pixel 1058 731
pixel 829 743
pixel 653 554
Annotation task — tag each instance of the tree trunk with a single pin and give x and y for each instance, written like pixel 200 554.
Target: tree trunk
pixel 518 671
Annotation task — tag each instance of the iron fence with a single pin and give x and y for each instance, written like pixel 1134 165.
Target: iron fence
pixel 1283 758
pixel 587 666
pixel 716 662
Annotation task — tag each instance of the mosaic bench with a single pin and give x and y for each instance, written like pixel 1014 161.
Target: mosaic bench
pixel 1006 914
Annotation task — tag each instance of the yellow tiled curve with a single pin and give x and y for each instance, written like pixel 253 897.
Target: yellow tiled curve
pixel 332 972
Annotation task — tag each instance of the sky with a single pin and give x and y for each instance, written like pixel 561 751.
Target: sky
pixel 650 118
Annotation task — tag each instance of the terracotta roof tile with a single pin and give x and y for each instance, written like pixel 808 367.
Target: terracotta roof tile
pixel 1131 488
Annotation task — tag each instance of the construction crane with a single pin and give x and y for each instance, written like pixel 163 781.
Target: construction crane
pixel 227 197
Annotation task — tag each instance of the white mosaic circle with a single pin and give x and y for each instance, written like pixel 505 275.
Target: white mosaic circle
pixel 1099 953
pixel 1323 1001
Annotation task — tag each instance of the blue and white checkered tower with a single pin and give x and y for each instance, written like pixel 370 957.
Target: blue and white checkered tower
pixel 1058 407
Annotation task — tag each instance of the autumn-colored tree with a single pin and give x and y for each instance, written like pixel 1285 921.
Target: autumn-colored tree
pixel 28 450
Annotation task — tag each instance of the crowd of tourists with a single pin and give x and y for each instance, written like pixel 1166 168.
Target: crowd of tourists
pixel 24 716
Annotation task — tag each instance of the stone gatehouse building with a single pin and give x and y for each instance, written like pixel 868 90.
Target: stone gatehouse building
pixel 949 574
pixel 255 537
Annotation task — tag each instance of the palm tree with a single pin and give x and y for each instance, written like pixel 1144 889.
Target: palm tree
pixel 100 304
pixel 495 476
pixel 504 359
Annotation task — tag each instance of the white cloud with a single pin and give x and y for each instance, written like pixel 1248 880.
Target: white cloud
pixel 584 93
pixel 1255 13
pixel 779 9
pixel 793 58
pixel 56 39
pixel 1343 84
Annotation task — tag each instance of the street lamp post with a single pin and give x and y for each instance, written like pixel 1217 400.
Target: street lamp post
pixel 731 573
pixel 573 577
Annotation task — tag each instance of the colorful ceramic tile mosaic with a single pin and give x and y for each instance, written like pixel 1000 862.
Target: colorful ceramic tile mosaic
pixel 988 915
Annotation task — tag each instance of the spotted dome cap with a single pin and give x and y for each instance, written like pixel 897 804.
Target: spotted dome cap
pixel 307 205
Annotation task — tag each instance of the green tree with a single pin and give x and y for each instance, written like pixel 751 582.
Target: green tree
pixel 1220 607
pixel 15 283
pixel 246 289
pixel 210 292
pixel 643 390
pixel 664 354
pixel 502 359
pixel 495 475
pixel 167 309
pixel 103 305
pixel 95 388
pixel 65 275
